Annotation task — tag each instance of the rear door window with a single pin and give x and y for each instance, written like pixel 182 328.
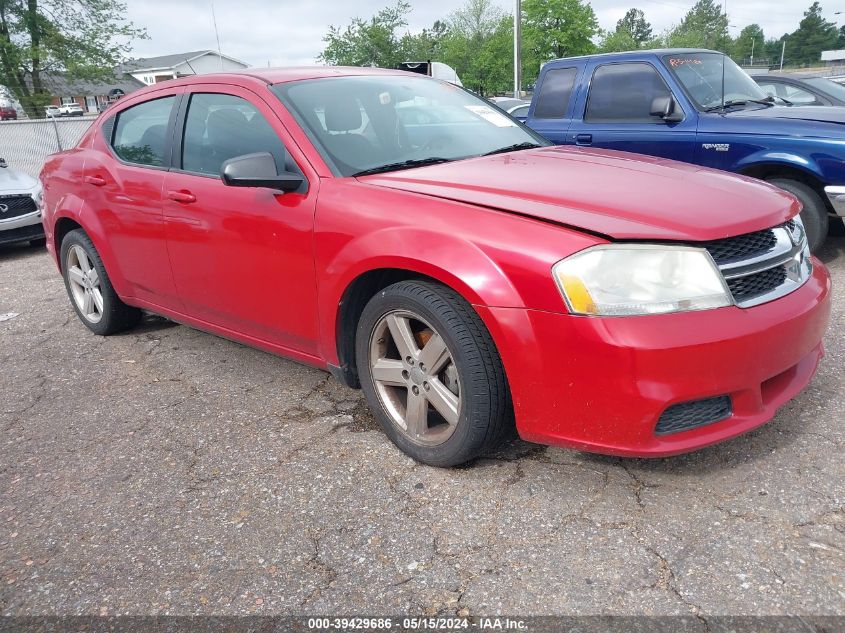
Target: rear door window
pixel 140 132
pixel 555 92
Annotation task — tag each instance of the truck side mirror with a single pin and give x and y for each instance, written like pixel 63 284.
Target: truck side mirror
pixel 666 108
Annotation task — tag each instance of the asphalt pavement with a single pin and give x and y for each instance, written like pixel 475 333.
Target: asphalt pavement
pixel 168 471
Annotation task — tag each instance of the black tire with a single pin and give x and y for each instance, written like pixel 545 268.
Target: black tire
pixel 39 242
pixel 486 415
pixel 116 315
pixel 814 214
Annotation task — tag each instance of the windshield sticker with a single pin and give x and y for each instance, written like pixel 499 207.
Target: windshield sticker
pixel 680 61
pixel 489 114
pixel 384 98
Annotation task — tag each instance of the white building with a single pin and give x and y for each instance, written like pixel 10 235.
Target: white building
pixel 833 58
pixel 154 69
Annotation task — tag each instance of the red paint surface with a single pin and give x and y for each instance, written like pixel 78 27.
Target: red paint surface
pixel 270 270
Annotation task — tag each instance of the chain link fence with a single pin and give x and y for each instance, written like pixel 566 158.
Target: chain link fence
pixel 26 144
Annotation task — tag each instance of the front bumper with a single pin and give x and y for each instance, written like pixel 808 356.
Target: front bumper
pixel 21 229
pixel 836 195
pixel 601 384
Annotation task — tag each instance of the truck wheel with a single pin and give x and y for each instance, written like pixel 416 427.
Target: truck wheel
pixel 432 374
pixel 814 214
pixel 89 288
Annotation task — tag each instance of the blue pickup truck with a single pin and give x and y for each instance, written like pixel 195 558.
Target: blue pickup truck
pixel 699 107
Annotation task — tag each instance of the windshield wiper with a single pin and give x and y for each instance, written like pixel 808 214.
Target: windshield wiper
pixel 768 101
pixel 405 164
pixel 513 148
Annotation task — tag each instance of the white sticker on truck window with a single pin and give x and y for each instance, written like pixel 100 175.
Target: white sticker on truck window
pixel 489 114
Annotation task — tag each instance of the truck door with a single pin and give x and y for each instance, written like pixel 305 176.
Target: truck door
pixel 616 112
pixel 550 113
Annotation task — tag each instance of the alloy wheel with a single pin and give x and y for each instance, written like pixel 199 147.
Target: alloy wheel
pixel 84 284
pixel 415 377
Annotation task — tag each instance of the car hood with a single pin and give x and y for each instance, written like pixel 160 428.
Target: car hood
pixel 613 194
pixel 820 114
pixel 14 181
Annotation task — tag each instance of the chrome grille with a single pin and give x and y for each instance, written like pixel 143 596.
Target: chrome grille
pixel 740 247
pixel 13 206
pixel 764 265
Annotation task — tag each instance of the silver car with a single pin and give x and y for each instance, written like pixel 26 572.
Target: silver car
pixel 20 207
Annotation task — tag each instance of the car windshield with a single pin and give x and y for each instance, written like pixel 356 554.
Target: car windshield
pixel 827 86
pixel 701 76
pixel 381 123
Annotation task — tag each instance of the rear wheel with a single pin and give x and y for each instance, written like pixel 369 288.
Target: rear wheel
pixel 89 288
pixel 431 374
pixel 814 213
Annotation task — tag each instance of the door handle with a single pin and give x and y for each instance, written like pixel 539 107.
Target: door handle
pixel 583 139
pixel 184 197
pixel 97 181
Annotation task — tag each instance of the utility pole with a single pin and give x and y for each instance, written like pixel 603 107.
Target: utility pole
pixel 517 58
pixel 216 35
pixel 752 50
pixel 782 52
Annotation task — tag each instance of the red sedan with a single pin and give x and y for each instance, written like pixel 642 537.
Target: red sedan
pixel 470 278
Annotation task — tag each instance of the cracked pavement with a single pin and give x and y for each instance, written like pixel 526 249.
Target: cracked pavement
pixel 167 471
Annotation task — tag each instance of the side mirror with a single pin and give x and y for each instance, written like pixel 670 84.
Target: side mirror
pixel 258 170
pixel 665 108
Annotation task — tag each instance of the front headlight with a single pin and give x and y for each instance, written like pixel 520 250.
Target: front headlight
pixel 633 279
pixel 38 197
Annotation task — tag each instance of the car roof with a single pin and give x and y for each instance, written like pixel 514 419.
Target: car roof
pixel 652 52
pixel 294 73
pixel 270 76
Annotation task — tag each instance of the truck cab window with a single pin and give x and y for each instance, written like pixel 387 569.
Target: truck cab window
pixel 623 93
pixel 553 100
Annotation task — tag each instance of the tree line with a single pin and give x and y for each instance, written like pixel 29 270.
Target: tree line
pixel 477 39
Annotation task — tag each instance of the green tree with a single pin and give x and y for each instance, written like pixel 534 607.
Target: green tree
pixel 634 24
pixel 704 26
pixel 617 41
pixel 479 46
pixel 372 42
pixel 553 29
pixel 82 39
pixel 774 48
pixel 426 45
pixel 814 34
pixel 750 39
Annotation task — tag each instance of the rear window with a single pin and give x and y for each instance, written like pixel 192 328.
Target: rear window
pixel 140 132
pixel 828 86
pixel 553 100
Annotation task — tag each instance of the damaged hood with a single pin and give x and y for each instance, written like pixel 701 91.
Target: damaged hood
pixel 613 194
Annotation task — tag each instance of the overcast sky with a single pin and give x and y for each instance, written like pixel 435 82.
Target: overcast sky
pixel 285 32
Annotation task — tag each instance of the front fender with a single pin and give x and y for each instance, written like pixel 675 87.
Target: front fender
pixel 451 260
pixel 801 162
pixel 491 258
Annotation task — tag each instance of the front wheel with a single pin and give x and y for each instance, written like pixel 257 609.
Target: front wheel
pixel 89 288
pixel 814 212
pixel 432 374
